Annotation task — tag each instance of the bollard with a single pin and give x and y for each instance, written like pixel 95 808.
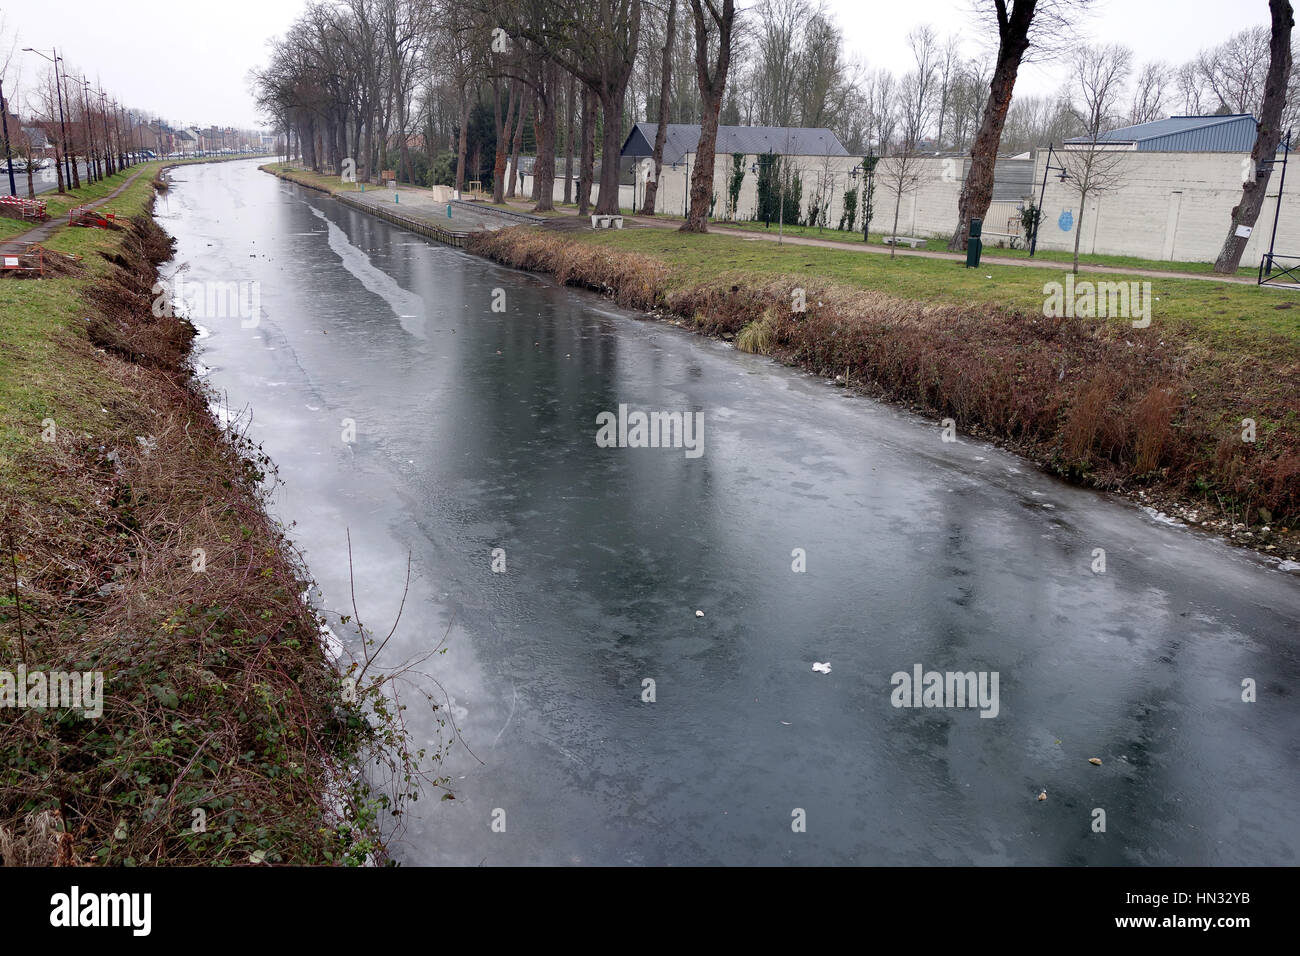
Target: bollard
pixel 974 244
pixel 448 210
pixel 395 197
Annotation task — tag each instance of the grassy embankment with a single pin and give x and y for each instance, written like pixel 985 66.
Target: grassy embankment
pixel 135 528
pixel 1155 411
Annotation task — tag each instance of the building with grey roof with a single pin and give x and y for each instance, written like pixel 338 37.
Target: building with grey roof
pixel 683 138
pixel 1232 133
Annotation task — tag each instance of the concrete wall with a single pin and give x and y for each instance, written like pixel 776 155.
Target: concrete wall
pixel 557 193
pixel 1170 206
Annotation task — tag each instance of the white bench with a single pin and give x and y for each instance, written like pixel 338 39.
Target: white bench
pixel 903 241
pixel 606 222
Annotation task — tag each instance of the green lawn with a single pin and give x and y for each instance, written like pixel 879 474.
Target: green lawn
pixel 1226 313
pixel 941 245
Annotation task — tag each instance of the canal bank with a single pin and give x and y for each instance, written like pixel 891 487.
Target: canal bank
pixel 137 550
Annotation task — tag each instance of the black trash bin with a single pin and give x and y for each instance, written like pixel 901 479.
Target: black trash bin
pixel 974 244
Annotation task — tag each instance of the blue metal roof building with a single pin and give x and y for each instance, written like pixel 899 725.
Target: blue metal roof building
pixel 682 138
pixel 1233 133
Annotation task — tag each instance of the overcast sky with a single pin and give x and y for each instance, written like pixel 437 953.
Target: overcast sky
pixel 188 60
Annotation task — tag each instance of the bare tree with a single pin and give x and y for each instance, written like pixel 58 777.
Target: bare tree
pixel 661 130
pixel 1150 91
pixel 900 170
pixel 1268 135
pixel 1190 87
pixel 1019 24
pixel 949 66
pixel 713 28
pixel 777 61
pixel 1234 70
pixel 920 87
pixel 596 41
pixel 823 84
pixel 1095 167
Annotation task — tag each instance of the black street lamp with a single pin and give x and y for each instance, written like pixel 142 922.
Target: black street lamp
pixel 1038 213
pixel 63 126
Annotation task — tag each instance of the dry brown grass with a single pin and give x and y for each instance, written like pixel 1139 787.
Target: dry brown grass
pixel 218 696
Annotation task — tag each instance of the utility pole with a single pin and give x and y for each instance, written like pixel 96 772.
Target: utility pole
pixel 94 169
pixel 63 126
pixel 123 149
pixel 109 163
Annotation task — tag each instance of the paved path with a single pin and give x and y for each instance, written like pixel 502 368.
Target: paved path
pixel 416 203
pixel 575 223
pixel 45 230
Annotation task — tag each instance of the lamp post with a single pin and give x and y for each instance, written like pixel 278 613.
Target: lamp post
pixel 780 201
pixel 1038 213
pixel 93 170
pixel 108 135
pixel 63 127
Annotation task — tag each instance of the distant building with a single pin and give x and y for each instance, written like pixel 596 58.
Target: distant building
pixel 682 140
pixel 1177 185
pixel 1231 133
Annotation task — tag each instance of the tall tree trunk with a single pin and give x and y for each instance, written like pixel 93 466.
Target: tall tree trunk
pixel 462 144
pixel 367 172
pixel 571 105
pixel 977 190
pixel 1268 135
pixel 661 133
pixel 586 164
pixel 544 167
pixel 611 143
pixel 515 133
pixel 712 85
pixel 499 162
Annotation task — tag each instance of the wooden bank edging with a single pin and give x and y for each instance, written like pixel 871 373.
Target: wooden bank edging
pixel 428 230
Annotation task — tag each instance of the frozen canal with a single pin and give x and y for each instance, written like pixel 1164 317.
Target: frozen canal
pixel 475 430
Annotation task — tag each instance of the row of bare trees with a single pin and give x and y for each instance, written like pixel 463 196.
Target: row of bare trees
pixel 75 119
pixel 486 80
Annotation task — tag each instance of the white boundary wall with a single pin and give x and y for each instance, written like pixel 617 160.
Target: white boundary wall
pixel 1168 206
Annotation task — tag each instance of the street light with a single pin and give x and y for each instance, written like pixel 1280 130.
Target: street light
pixel 63 127
pixel 93 168
pixel 1038 213
pixel 108 134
